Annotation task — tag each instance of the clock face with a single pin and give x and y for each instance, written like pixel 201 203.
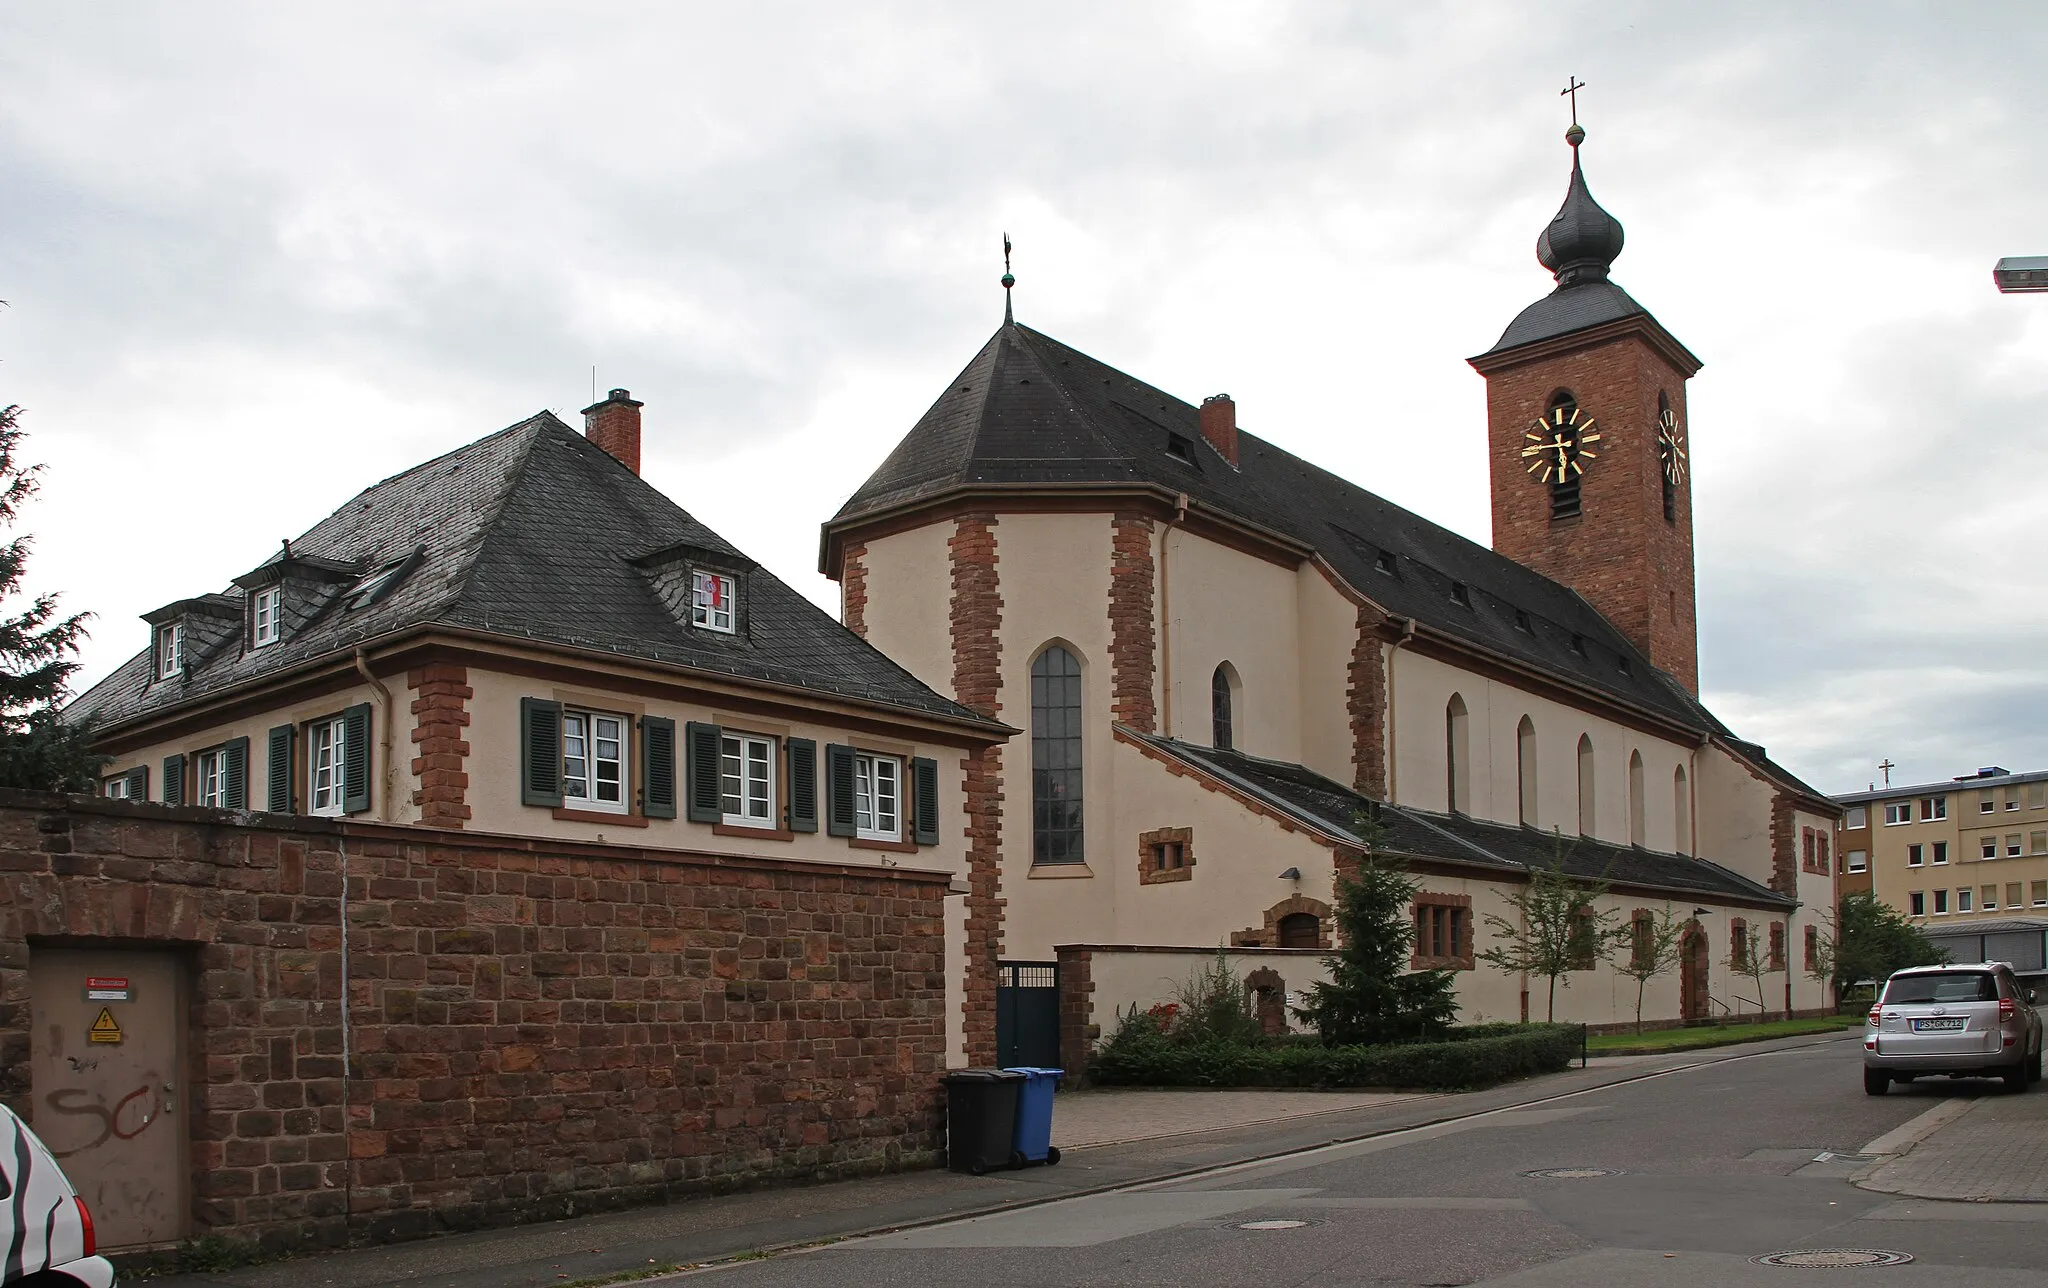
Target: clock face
pixel 1671 447
pixel 1558 448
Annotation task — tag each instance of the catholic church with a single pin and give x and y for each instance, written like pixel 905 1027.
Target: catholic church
pixel 1222 658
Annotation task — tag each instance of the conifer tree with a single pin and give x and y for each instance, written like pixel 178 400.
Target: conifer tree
pixel 1372 997
pixel 39 749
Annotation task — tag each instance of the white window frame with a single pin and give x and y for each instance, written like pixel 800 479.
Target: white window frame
pixel 266 616
pixel 1940 853
pixel 1987 847
pixel 2012 845
pixel 1966 899
pixel 746 777
pixel 1987 803
pixel 1933 808
pixel 170 650
pixel 2040 900
pixel 1916 903
pixel 327 767
pixel 1941 903
pixel 585 730
pixel 115 788
pixel 1915 856
pixel 1857 819
pixel 877 797
pixel 705 610
pixel 1989 903
pixel 1898 813
pixel 2012 798
pixel 210 778
pixel 1859 861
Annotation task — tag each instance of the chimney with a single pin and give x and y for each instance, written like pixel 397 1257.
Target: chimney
pixel 1219 425
pixel 614 425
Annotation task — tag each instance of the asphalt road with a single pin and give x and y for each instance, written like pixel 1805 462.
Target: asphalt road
pixel 1707 1168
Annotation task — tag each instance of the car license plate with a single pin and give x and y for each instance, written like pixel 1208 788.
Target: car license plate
pixel 1940 1024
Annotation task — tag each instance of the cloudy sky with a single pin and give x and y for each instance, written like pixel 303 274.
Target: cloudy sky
pixel 257 257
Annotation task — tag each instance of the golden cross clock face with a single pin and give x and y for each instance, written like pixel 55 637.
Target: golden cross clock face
pixel 1557 448
pixel 1671 447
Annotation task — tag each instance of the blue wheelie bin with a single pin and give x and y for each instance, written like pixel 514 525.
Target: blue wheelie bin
pixel 1034 1115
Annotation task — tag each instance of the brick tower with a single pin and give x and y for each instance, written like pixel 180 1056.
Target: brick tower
pixel 1589 440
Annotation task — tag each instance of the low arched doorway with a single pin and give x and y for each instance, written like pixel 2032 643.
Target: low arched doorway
pixel 1692 973
pixel 1299 930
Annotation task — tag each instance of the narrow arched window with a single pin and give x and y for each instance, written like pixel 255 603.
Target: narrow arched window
pixel 1638 827
pixel 1457 756
pixel 1588 805
pixel 1056 757
pixel 1681 812
pixel 1221 706
pixel 1525 769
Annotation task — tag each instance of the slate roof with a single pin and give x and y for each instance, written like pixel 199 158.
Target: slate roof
pixel 1332 807
pixel 1568 309
pixel 529 533
pixel 1030 410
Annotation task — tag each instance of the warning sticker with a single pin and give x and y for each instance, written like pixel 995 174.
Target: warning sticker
pixel 104 1029
pixel 108 988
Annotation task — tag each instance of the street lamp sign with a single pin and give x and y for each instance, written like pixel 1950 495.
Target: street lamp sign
pixel 2019 274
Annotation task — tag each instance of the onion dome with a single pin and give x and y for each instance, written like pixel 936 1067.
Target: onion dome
pixel 1582 240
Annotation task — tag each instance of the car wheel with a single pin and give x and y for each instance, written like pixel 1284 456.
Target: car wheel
pixel 1876 1083
pixel 2014 1078
pixel 2034 1066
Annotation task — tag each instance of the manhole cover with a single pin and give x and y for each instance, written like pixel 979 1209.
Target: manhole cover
pixel 1271 1225
pixel 1835 1258
pixel 1572 1173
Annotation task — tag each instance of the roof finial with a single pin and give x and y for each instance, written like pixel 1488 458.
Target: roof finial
pixel 1582 239
pixel 1576 134
pixel 1009 280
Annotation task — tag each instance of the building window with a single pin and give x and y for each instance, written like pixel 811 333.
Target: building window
pixel 594 760
pixel 1987 802
pixel 878 798
pixel 326 766
pixel 746 780
pixel 1821 862
pixel 2012 798
pixel 1897 812
pixel 2037 842
pixel 1941 903
pixel 2012 894
pixel 1443 933
pixel 1300 930
pixel 1638 807
pixel 1963 899
pixel 1987 847
pixel 1806 849
pixel 170 650
pixel 1916 904
pixel 115 788
pixel 2037 795
pixel 1940 852
pixel 1915 856
pixel 1738 945
pixel 1933 807
pixel 1525 770
pixel 1859 861
pixel 1777 945
pixel 711 601
pixel 266 616
pixel 1681 812
pixel 1056 758
pixel 1989 902
pixel 1858 817
pixel 210 778
pixel 2038 892
pixel 1457 755
pixel 1169 856
pixel 1220 708
pixel 1588 806
pixel 1812 961
pixel 2012 845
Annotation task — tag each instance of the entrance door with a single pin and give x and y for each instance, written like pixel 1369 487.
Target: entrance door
pixel 106 1075
pixel 1692 974
pixel 1028 1015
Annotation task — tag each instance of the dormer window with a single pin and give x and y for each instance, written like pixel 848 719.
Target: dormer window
pixel 1522 622
pixel 712 599
pixel 266 616
pixel 1178 447
pixel 1460 595
pixel 170 650
pixel 1386 564
pixel 1579 645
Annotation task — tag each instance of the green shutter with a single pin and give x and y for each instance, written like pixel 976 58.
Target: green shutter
pixel 355 764
pixel 174 780
pixel 138 783
pixel 803 784
pixel 924 804
pixel 839 811
pixel 657 767
pixel 235 773
pixel 701 750
pixel 280 770
pixel 540 752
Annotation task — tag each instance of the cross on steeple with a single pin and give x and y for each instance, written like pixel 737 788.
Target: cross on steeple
pixel 1009 280
pixel 1887 766
pixel 1571 90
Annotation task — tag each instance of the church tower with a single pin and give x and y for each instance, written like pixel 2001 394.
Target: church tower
pixel 1588 439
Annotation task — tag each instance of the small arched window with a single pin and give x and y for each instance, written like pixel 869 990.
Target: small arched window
pixel 1525 770
pixel 1457 756
pixel 1638 828
pixel 1681 812
pixel 1588 805
pixel 1300 930
pixel 1222 708
pixel 1056 757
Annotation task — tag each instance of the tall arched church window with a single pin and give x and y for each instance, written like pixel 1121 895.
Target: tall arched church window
pixel 1681 812
pixel 1222 708
pixel 1557 450
pixel 1638 826
pixel 1588 805
pixel 1525 770
pixel 1056 757
pixel 1457 756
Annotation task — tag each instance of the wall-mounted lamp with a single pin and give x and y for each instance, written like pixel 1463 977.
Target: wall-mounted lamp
pixel 1702 912
pixel 1292 874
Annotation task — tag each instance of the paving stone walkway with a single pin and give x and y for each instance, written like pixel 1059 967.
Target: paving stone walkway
pixel 1113 1115
pixel 1997 1152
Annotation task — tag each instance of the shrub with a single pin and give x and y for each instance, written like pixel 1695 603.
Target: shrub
pixel 1131 1058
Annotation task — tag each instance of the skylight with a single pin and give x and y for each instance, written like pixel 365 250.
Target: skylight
pixel 373 585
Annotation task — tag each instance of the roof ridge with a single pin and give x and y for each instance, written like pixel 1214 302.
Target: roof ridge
pixel 487 519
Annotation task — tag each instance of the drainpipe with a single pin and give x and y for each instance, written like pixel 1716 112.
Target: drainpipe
pixel 385 801
pixel 1393 741
pixel 1692 796
pixel 1180 515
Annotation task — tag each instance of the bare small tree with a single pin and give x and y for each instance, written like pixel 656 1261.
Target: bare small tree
pixel 1746 956
pixel 1653 950
pixel 1558 928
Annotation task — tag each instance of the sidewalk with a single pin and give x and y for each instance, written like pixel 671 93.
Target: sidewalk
pixel 1186 1137
pixel 1995 1151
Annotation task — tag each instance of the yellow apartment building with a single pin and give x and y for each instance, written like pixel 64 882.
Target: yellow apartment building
pixel 1972 848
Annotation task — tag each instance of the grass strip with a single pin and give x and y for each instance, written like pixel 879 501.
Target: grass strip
pixel 1714 1035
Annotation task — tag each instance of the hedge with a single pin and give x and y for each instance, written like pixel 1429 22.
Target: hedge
pixel 1462 1063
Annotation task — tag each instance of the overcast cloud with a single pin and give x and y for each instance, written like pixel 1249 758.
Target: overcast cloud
pixel 258 257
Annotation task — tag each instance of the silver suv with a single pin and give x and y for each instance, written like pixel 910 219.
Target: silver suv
pixel 1968 1021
